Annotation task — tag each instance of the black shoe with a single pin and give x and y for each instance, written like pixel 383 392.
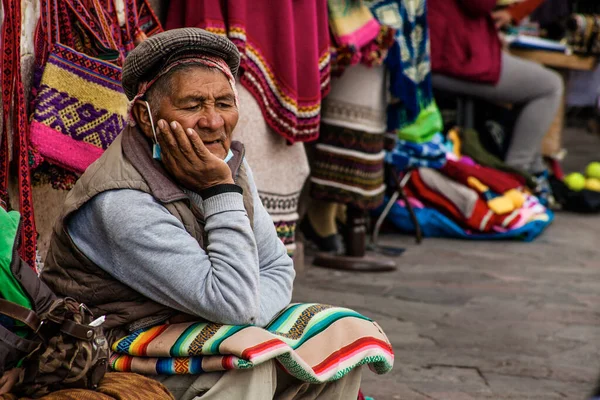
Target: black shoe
pixel 330 244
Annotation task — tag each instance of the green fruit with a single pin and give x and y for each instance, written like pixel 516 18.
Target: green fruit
pixel 593 184
pixel 575 181
pixel 593 170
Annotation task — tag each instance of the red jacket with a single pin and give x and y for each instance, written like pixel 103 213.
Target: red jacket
pixel 464 40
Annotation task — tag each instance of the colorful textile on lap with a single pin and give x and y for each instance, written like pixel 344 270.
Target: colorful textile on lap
pixel 315 343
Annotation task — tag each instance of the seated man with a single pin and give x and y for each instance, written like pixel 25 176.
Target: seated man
pixel 167 225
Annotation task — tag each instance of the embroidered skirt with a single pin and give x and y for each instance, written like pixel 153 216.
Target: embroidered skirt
pixel 279 169
pixel 348 163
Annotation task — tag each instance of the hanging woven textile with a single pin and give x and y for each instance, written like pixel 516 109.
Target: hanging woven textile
pixel 357 37
pixel 285 54
pixel 278 188
pixel 348 162
pixel 13 93
pixel 412 113
pixel 79 106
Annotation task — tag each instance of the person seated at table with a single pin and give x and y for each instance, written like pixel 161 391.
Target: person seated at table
pixel 167 225
pixel 467 59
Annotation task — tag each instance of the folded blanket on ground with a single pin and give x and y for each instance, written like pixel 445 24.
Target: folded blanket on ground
pixel 435 224
pixel 315 343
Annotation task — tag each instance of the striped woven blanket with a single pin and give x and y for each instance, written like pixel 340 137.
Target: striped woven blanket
pixel 315 343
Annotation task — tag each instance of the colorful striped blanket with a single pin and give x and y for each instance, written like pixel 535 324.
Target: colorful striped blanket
pixel 315 343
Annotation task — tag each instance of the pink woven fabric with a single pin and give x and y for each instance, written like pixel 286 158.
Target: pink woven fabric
pixel 285 60
pixel 64 151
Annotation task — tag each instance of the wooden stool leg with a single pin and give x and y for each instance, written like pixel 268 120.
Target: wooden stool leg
pixel 355 258
pixel 355 235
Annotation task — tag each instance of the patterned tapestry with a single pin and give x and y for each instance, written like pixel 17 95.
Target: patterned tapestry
pixel 409 65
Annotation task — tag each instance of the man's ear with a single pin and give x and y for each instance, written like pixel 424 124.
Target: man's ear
pixel 140 113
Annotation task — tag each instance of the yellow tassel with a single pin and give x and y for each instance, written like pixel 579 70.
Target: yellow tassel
pixel 455 139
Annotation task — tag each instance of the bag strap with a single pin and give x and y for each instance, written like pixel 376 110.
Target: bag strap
pixel 7 66
pixel 54 26
pixel 20 313
pixel 48 30
pixel 104 24
pixel 13 92
pixel 83 332
pixel 133 28
pixel 23 345
pixel 144 9
pixel 95 26
pixel 4 169
pixel 132 21
pixel 134 34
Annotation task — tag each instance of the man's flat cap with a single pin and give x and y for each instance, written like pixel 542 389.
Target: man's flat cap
pixel 150 56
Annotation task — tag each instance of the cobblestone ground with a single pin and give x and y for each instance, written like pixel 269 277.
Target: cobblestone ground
pixel 487 320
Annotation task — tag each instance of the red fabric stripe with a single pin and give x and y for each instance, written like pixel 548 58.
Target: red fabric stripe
pixel 127 363
pixel 144 347
pixel 227 363
pixel 349 349
pixel 248 353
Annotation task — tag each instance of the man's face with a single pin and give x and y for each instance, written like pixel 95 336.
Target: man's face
pixel 203 100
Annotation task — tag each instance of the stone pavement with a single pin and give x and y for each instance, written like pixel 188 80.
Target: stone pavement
pixel 484 320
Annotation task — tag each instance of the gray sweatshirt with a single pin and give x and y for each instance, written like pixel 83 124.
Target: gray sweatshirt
pixel 244 277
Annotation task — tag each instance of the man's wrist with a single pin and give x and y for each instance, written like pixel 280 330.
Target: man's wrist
pixel 220 189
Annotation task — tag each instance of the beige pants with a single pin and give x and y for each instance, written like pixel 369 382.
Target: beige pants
pixel 266 381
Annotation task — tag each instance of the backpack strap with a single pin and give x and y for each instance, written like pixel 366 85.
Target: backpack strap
pixel 79 331
pixel 23 345
pixel 25 315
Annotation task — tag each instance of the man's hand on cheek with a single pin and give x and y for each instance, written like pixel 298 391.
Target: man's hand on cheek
pixel 188 160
